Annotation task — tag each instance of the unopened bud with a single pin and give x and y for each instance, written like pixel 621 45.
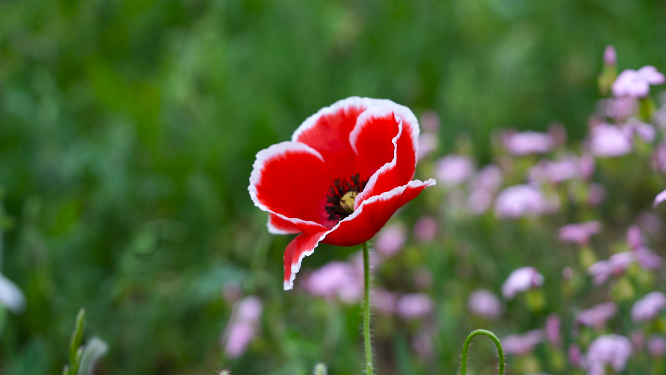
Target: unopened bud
pixel 610 56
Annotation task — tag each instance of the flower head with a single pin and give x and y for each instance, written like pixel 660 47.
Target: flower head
pixel 579 233
pixel 521 280
pixel 414 306
pixel 522 344
pixel 453 170
pixel 553 326
pixel 636 83
pixel 529 142
pixel 523 200
pixel 656 346
pixel 425 228
pixel 609 141
pixel 242 326
pixel 615 265
pixel 608 350
pixel 391 239
pixel 610 56
pixel 335 280
pixel 598 315
pixel 648 307
pixel 484 303
pixel 347 169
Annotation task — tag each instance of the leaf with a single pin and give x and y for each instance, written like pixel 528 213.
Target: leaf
pixel 93 351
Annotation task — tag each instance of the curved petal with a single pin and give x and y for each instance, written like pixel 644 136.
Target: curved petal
pixel 290 180
pixel 370 141
pixel 353 230
pixel 327 131
pixel 298 248
pixel 278 225
pixel 371 216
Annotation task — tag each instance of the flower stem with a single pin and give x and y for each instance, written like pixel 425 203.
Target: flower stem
pixel 500 352
pixel 366 310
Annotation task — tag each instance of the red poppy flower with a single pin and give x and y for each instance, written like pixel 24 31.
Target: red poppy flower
pixel 347 169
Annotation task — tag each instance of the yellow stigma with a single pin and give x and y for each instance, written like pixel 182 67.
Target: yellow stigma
pixel 347 201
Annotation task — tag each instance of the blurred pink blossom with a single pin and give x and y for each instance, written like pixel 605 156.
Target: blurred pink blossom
pixel 553 326
pixel 335 280
pixel 634 237
pixel 558 132
pixel 391 239
pixel 610 57
pixel 576 356
pixel 242 326
pixel 430 121
pixel 620 108
pixel 555 171
pixel 529 142
pixel 383 301
pixel 521 280
pixel 656 346
pixel 484 303
pixel 615 265
pixel 648 307
pixel 637 338
pixel 522 344
pixel 523 200
pixel 597 316
pixel 635 128
pixel 647 258
pixel 596 194
pixel 586 165
pixel 636 83
pixel 567 273
pixel 428 143
pixel 425 228
pixel 651 223
pixel 422 343
pixel 659 158
pixel 609 141
pixel 659 198
pixel 484 187
pixel 608 350
pixel 453 170
pixel 414 306
pixel 579 233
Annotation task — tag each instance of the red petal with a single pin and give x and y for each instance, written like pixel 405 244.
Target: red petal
pixel 278 225
pixel 378 128
pixel 328 130
pixel 297 249
pixel 290 180
pixel 371 216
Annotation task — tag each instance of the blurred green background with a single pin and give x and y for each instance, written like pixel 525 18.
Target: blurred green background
pixel 128 131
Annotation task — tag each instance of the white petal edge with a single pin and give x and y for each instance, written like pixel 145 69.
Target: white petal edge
pixel 659 198
pixel 295 267
pixel 353 138
pixel 263 156
pixel 364 103
pixel 272 229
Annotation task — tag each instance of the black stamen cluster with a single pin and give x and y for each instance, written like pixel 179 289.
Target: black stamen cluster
pixel 335 193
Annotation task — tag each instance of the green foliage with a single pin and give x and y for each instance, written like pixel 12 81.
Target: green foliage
pixel 128 131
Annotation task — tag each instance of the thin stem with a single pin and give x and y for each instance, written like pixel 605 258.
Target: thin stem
pixel 500 352
pixel 366 310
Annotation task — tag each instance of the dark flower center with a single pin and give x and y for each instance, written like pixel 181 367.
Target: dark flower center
pixel 341 197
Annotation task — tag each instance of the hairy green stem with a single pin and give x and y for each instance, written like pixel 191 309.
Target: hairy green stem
pixel 500 352
pixel 366 310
